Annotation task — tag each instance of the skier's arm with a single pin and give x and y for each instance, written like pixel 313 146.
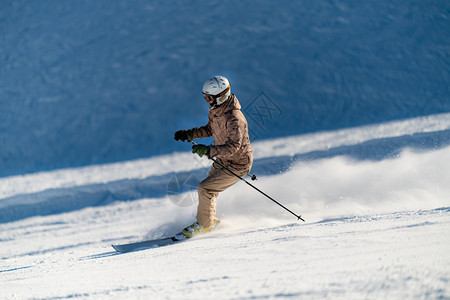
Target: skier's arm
pixel 202 132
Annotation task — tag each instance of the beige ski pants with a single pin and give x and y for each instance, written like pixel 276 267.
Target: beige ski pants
pixel 217 181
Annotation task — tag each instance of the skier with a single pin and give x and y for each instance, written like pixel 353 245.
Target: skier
pixel 231 148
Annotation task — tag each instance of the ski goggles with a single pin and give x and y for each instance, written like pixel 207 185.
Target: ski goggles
pixel 210 98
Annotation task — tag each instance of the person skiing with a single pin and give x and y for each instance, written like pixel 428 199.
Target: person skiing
pixel 231 148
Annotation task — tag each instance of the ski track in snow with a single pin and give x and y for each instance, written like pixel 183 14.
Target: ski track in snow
pixel 376 224
pixel 396 256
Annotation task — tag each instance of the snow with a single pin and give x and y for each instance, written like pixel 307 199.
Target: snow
pixel 376 225
pixel 87 82
pixel 348 110
pixel 399 255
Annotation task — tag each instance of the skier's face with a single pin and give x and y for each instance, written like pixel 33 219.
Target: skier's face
pixel 210 99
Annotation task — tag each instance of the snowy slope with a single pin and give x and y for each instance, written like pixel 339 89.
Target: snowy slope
pixel 348 107
pixel 388 256
pixel 84 82
pixel 376 227
pixel 70 189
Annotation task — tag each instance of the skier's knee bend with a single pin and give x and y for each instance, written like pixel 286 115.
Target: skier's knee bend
pixel 204 188
pixel 203 192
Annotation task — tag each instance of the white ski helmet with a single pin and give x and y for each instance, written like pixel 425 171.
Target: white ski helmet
pixel 218 87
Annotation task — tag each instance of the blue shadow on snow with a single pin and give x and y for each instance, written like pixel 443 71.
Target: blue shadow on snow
pixel 55 201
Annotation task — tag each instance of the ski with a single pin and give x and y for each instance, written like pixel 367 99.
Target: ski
pixel 179 237
pixel 124 248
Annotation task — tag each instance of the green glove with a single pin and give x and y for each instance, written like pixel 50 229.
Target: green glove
pixel 200 149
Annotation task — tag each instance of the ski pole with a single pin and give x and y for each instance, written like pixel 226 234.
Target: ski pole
pixel 299 217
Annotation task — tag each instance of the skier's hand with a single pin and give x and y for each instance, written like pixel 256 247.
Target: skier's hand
pixel 200 150
pixel 184 135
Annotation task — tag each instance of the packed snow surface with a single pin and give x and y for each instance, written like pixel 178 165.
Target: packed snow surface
pixel 376 201
pixel 348 111
pixel 92 82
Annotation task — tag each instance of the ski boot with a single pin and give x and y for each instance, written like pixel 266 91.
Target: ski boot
pixel 196 228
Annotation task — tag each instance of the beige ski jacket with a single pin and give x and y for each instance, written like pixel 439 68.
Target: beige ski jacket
pixel 229 128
